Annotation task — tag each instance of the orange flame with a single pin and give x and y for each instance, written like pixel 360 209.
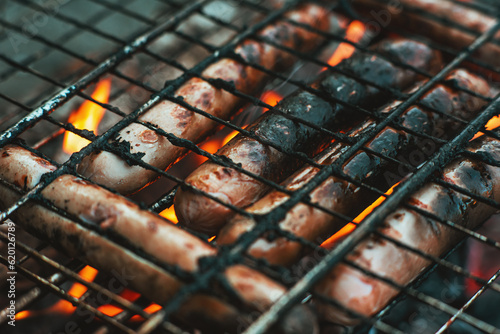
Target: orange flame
pixel 493 123
pixel 213 145
pixel 269 97
pixel 77 290
pixel 150 309
pixel 112 310
pixel 22 315
pixel 229 137
pixel 351 226
pixel 170 214
pixel 87 117
pixel 354 33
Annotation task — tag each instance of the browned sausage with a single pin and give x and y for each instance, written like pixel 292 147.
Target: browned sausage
pixel 110 170
pixel 338 195
pixel 104 213
pixel 367 295
pixel 402 13
pixel 203 214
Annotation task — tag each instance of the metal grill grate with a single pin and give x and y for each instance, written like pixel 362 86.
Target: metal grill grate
pixel 121 49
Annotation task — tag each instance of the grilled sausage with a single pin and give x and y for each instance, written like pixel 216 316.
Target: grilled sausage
pixel 435 19
pixel 203 214
pixel 367 295
pixel 110 170
pixel 343 197
pixel 104 213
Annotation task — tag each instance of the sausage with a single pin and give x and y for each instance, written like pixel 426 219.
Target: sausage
pixel 403 14
pixel 338 195
pixel 205 215
pixel 367 295
pixel 108 169
pixel 106 214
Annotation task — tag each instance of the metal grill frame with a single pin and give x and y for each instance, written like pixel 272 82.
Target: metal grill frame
pixel 300 289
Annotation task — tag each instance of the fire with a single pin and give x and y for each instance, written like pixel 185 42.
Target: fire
pixel 492 124
pixel 354 33
pixel 170 214
pixel 150 309
pixel 87 117
pixel 22 315
pixel 351 226
pixel 77 290
pixel 229 137
pixel 112 310
pixel 271 97
pixel 213 145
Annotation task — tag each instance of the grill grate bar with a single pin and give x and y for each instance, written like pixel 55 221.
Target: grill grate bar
pixel 444 263
pixel 62 40
pixel 472 234
pixel 65 94
pixel 73 22
pixel 65 167
pixel 445 50
pixel 372 221
pixel 431 301
pixel 115 39
pixel 166 200
pixel 61 293
pixel 469 303
pixel 70 271
pixel 384 327
pixel 234 92
pixel 37 293
pixel 486 8
pixel 123 10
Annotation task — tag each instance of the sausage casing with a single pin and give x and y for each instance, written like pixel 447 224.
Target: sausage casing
pixel 108 169
pixel 103 213
pixel 338 195
pixel 203 214
pixel 367 295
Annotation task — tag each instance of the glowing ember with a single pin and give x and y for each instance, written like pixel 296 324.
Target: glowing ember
pixel 354 33
pixel 229 137
pixel 77 290
pixel 492 124
pixel 170 214
pixel 150 309
pixel 87 117
pixel 271 97
pixel 351 226
pixel 22 315
pixel 213 145
pixel 110 310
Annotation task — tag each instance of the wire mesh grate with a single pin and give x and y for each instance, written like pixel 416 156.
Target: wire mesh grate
pixel 129 50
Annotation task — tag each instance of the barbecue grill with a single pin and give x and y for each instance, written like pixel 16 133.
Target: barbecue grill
pixel 55 53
